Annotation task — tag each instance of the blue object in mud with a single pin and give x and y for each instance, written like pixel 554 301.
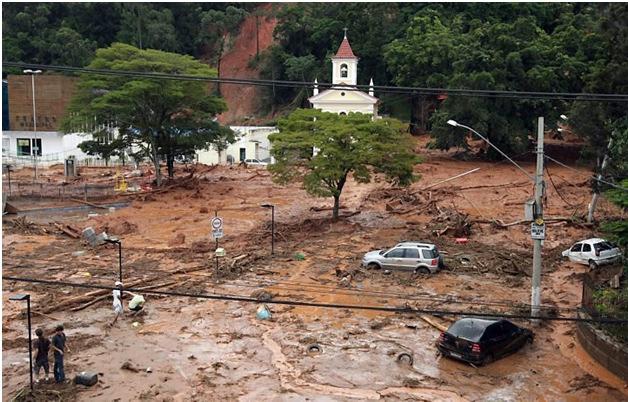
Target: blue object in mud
pixel 263 313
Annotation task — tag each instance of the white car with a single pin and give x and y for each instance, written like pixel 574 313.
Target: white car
pixel 256 162
pixel 593 252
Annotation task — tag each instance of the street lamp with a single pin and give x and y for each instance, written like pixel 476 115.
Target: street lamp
pixel 272 226
pixel 35 148
pixel 113 240
pixel 456 124
pixel 27 297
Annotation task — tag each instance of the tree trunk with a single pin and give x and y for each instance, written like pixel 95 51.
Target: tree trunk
pixel 156 164
pixel 341 184
pixel 596 184
pixel 414 115
pixel 170 165
pixel 336 207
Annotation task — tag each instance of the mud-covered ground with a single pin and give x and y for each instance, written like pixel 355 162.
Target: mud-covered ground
pixel 185 348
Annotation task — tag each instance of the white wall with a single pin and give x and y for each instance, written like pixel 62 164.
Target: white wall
pixel 253 139
pixel 55 146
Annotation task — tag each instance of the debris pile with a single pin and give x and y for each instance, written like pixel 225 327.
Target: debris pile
pixel 450 221
pixel 24 226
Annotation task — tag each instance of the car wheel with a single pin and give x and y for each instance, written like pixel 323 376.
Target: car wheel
pixel 530 340
pixel 592 264
pixel 373 265
pixel 488 359
pixel 422 270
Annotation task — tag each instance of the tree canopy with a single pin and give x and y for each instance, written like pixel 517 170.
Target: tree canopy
pixel 321 149
pixel 162 117
pixel 511 47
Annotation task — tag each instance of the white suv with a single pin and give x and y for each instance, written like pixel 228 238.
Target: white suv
pixel 593 252
pixel 417 257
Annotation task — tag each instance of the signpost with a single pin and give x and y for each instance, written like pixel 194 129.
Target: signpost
pixel 217 232
pixel 537 231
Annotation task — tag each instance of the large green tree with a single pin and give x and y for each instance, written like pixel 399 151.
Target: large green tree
pixel 599 122
pixel 161 116
pixel 510 47
pixel 321 149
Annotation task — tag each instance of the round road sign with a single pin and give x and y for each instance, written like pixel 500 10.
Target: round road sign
pixel 217 223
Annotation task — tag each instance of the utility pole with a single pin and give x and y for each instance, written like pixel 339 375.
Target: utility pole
pixel 596 193
pixel 538 221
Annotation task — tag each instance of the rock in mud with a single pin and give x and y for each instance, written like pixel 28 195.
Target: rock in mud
pixel 178 240
pixel 262 295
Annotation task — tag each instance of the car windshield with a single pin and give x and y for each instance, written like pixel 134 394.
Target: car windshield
pixel 470 330
pixel 603 246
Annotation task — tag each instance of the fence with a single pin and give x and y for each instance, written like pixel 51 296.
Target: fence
pixel 82 191
pixel 52 159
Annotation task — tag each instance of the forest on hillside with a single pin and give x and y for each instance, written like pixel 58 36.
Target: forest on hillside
pixel 549 47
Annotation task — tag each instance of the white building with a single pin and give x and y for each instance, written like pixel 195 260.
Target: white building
pixel 18 147
pixel 344 97
pixel 251 143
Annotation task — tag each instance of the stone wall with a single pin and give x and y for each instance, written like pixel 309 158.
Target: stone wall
pixel 52 96
pixel 609 353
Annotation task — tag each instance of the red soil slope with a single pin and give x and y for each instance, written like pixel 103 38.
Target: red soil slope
pixel 244 101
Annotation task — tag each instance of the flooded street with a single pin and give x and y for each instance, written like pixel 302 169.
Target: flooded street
pixel 190 348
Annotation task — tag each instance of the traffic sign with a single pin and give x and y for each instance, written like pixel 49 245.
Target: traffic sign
pixel 216 223
pixel 217 233
pixel 537 232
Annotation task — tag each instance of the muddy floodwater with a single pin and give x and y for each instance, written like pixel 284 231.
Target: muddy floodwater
pixel 195 349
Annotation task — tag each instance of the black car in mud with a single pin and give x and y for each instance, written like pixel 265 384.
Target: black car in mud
pixel 482 340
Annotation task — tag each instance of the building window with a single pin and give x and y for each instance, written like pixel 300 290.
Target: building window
pixel 344 71
pixel 342 94
pixel 343 113
pixel 23 146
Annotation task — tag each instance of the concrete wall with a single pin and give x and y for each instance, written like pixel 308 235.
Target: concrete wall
pixel 607 352
pixel 253 139
pixel 52 96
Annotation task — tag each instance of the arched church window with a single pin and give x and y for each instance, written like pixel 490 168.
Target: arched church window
pixel 344 71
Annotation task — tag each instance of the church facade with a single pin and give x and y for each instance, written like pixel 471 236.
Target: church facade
pixel 343 97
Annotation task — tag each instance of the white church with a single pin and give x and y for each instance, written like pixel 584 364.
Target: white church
pixel 343 97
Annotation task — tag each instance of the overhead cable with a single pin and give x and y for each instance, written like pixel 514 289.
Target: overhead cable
pixel 601 97
pixel 242 299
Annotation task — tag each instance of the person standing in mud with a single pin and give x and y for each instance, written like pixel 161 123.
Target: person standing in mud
pixel 117 302
pixel 42 346
pixel 59 347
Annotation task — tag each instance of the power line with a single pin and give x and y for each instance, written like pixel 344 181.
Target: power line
pixel 601 97
pixel 235 298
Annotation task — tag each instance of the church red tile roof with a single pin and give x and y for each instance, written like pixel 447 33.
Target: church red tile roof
pixel 345 51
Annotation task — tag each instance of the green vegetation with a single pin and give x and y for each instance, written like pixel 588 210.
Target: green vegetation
pixel 160 117
pixel 353 144
pixel 70 33
pixel 613 303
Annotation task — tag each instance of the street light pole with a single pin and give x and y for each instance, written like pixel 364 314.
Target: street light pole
pixel 34 148
pixel 272 226
pixel 27 297
pixel 119 243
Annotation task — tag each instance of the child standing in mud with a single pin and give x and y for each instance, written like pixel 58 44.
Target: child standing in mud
pixel 42 346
